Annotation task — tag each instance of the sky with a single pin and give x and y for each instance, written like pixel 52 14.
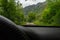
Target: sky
pixel 30 2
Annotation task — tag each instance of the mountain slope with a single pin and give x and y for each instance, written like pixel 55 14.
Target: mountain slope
pixel 34 8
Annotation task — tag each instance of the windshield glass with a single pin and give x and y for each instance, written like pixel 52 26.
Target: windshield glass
pixel 31 12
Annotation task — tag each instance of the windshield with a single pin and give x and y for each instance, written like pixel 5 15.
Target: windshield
pixel 31 12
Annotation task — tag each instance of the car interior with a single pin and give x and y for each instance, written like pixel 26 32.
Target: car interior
pixel 11 31
pixel 29 19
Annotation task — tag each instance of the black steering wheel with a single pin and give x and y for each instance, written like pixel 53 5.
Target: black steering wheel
pixel 10 31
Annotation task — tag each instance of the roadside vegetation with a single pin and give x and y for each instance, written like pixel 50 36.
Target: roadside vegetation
pixel 50 16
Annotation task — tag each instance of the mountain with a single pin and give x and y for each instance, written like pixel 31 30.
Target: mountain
pixel 34 8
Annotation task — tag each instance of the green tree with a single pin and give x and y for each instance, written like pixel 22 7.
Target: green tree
pixel 12 10
pixel 31 17
pixel 8 8
pixel 20 14
pixel 50 15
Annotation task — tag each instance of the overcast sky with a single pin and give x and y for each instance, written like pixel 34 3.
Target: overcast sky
pixel 30 2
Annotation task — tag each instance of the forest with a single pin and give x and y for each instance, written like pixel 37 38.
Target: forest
pixel 46 14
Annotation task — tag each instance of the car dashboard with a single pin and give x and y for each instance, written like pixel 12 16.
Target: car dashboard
pixel 11 31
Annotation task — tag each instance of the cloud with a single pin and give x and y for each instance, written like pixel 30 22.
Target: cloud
pixel 30 2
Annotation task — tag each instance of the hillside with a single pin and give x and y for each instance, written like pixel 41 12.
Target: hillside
pixel 34 8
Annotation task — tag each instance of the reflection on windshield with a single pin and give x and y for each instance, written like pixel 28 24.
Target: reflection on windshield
pixel 32 12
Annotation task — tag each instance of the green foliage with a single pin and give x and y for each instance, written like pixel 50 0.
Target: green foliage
pixel 51 15
pixel 31 17
pixel 19 14
pixel 12 10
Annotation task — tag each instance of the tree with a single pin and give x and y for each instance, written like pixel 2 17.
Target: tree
pixel 8 8
pixel 51 13
pixel 20 15
pixel 31 17
pixel 12 11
